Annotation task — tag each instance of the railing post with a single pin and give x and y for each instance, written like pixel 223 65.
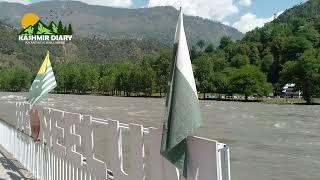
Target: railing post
pixel 160 168
pixel 136 155
pixel 207 159
pixel 115 150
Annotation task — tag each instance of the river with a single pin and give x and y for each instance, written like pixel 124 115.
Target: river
pixel 267 141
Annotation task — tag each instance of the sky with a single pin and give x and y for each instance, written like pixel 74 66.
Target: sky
pixel 244 15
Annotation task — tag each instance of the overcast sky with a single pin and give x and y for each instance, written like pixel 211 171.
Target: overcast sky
pixel 244 15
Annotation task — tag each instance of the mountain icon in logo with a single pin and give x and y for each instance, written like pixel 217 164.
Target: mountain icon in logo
pixel 40 28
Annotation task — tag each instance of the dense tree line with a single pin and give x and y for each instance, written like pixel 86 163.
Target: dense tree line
pixel 289 49
pixel 145 78
pixel 14 79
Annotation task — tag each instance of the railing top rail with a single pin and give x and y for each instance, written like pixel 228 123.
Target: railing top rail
pixel 104 121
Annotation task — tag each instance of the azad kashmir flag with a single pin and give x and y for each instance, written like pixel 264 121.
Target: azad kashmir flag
pixel 182 114
pixel 43 83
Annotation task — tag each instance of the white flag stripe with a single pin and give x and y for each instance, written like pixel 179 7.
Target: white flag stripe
pixel 48 89
pixel 35 100
pixel 30 100
pixel 183 57
pixel 52 80
pixel 49 75
pixel 49 68
pixel 176 35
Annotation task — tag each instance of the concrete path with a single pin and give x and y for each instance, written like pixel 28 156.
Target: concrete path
pixel 11 169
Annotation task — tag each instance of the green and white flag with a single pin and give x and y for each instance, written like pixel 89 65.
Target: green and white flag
pixel 43 83
pixel 182 115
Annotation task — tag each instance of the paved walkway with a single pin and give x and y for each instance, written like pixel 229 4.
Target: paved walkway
pixel 11 168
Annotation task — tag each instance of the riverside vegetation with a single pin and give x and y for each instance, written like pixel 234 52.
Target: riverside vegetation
pixel 283 51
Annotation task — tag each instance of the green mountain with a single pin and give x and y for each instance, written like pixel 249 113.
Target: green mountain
pixel 116 23
pixel 41 29
pixel 28 31
pixel 53 27
pixel 38 29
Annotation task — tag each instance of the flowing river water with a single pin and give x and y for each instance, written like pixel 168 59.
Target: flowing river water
pixel 267 141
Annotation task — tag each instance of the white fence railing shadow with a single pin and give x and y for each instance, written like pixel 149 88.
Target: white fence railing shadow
pixel 78 147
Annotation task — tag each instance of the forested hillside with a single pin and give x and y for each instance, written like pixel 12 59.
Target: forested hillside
pixel 285 50
pixel 289 48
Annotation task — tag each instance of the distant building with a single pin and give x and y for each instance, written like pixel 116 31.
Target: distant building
pixel 289 91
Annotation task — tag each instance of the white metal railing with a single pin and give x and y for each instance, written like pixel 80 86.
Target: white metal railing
pixel 69 143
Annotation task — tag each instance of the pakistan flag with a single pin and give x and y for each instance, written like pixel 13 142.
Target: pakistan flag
pixel 182 106
pixel 43 83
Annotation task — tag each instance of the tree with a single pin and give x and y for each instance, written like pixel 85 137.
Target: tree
pixel 254 55
pixel 146 80
pixel 310 33
pixel 239 60
pixel 225 41
pixel 60 74
pixel 236 48
pixel 249 80
pixel 60 28
pixel 15 79
pixel 93 77
pixel 106 83
pixel 65 30
pixel 193 53
pixel 294 47
pixel 305 73
pixel 219 60
pixel 203 69
pixel 209 48
pixel 107 80
pixel 201 43
pixel 70 30
pixel 220 83
pixel 147 76
pixel 161 67
pixel 126 77
pixel 266 64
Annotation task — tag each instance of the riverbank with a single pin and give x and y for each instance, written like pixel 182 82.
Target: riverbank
pixel 265 100
pixel 210 97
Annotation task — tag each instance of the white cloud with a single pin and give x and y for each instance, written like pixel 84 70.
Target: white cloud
pixel 245 2
pixel 250 21
pixel 212 9
pixel 17 1
pixel 113 3
pixel 225 23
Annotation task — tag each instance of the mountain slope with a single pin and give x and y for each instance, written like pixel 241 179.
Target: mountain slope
pixel 80 50
pixel 309 10
pixel 115 23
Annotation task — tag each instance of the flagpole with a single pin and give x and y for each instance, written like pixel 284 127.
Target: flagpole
pixel 48 54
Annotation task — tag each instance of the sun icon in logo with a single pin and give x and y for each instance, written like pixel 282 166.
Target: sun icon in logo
pixel 29 19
